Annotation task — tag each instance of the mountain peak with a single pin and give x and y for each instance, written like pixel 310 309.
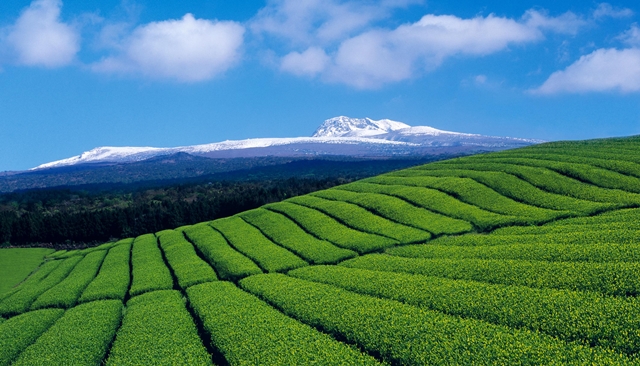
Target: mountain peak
pixel 356 127
pixel 341 135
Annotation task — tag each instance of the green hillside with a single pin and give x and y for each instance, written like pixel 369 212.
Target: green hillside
pixel 17 263
pixel 529 256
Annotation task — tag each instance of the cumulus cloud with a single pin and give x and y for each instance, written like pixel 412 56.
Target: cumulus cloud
pixel 341 41
pixel 40 38
pixel 371 58
pixel 319 22
pixel 605 10
pixel 602 70
pixel 186 50
pixel 379 56
pixel 310 62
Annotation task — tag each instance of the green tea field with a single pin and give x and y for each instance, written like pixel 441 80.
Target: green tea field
pixel 521 257
pixel 18 263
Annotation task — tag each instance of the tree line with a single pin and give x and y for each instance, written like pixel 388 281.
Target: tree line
pixel 68 218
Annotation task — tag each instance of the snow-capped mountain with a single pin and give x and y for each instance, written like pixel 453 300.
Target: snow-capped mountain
pixel 357 137
pixel 356 127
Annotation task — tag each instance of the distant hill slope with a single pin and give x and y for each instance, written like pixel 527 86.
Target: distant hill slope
pixel 185 168
pixel 336 141
pixel 529 256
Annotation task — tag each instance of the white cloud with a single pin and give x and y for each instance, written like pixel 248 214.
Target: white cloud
pixel 319 22
pixel 337 40
pixel 605 10
pixel 631 36
pixel 381 56
pixel 39 38
pixel 310 62
pixel 187 50
pixel 480 79
pixel 567 23
pixel 602 70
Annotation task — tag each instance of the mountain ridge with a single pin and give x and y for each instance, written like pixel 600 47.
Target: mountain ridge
pixel 341 136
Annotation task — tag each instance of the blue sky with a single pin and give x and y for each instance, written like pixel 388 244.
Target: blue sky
pixel 77 74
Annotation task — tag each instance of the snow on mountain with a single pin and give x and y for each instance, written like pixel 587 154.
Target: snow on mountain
pixel 107 153
pixel 269 142
pixel 356 127
pixel 132 154
pixel 336 136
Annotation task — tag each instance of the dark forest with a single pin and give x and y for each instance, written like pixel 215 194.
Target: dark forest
pixel 65 218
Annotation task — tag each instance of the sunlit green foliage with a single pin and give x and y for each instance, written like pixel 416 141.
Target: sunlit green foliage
pixel 405 334
pixel 548 180
pixel 360 219
pixel 113 279
pixel 620 216
pixel 251 242
pixel 580 237
pixel 47 277
pixel 610 278
pixel 40 273
pixel 228 262
pixel 512 187
pixel 398 210
pixel 437 201
pixel 247 331
pixel 583 172
pixel 288 234
pixel 157 330
pixel 327 228
pixel 81 337
pixel 479 195
pixel 523 257
pixel 66 293
pixel 22 330
pixel 149 270
pixel 17 263
pixel 569 315
pixel 542 251
pixel 598 159
pixel 187 266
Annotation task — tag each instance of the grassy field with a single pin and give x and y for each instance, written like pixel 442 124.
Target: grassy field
pixel 17 263
pixel 529 257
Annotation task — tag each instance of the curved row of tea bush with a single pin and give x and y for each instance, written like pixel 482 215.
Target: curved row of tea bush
pixel 113 279
pixel 609 278
pixel 360 219
pixel 188 268
pixel 284 232
pixel 399 211
pixel 251 242
pixel 149 270
pixel 599 252
pixel 569 315
pixel 327 228
pixel 80 337
pixel 408 335
pixel 474 193
pixel 247 331
pixel 158 330
pixel 439 202
pixel 66 293
pixel 49 276
pixel 228 262
pixel 515 188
